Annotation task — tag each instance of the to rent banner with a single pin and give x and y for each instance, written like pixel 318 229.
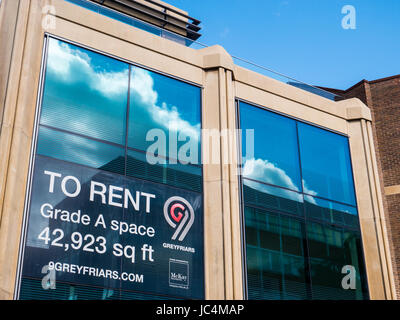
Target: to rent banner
pixel 92 227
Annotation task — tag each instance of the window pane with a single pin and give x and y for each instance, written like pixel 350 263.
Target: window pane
pixel 31 289
pixel 84 125
pixel 275 159
pixel 259 194
pixel 72 148
pixel 251 226
pixel 178 175
pixel 85 92
pixel 326 166
pixel 168 110
pixel 330 250
pixel 354 257
pixel 276 263
pixel 331 212
pixel 255 289
pixel 269 231
pixel 301 237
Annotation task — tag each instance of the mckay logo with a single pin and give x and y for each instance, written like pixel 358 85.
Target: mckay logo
pixel 180 215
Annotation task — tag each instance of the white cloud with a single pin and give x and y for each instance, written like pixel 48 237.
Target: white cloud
pixel 309 192
pixel 259 169
pixel 168 117
pixel 263 170
pixel 73 65
pixel 142 84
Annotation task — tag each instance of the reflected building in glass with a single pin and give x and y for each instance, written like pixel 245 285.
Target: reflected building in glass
pixel 300 213
pixel 108 111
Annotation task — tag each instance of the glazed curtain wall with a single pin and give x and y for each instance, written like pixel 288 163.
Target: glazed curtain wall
pixel 302 231
pixel 85 109
pixel 96 112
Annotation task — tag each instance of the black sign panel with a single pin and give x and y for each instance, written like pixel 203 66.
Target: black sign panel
pixel 103 229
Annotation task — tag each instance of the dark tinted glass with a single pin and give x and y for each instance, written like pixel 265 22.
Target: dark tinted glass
pixel 73 148
pixel 268 197
pixel 302 239
pixel 85 92
pixel 275 159
pixel 31 289
pixel 326 166
pixel 331 212
pixel 275 256
pixel 178 175
pixel 332 249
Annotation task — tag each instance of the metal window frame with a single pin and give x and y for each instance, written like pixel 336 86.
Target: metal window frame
pixel 241 197
pixel 241 202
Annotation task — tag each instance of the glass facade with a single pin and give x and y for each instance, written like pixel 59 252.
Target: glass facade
pixel 101 111
pixel 302 232
pixel 101 116
pixel 95 117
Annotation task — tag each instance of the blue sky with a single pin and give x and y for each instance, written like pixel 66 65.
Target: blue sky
pixel 304 39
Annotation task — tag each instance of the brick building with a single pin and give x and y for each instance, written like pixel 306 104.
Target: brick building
pixel 382 96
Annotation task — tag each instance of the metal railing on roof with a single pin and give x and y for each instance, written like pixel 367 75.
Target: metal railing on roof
pixel 112 13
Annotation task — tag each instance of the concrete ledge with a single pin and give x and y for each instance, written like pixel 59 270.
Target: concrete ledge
pixel 356 109
pixel 216 57
pixel 117 29
pixel 392 190
pixel 279 88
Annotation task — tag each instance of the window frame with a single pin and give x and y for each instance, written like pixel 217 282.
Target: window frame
pixel 36 127
pixel 239 100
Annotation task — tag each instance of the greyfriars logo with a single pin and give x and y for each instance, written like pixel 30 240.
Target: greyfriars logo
pixel 180 215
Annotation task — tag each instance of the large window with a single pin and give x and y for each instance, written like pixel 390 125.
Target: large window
pixel 86 110
pixel 109 143
pixel 302 231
